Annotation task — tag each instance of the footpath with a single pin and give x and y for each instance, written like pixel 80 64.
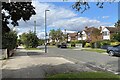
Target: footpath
pixel 37 64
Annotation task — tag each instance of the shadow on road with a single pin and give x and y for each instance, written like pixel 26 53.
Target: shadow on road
pixel 34 53
pixel 41 71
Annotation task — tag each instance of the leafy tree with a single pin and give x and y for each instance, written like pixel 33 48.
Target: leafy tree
pixel 56 35
pixel 117 24
pixel 41 41
pixel 9 41
pixel 30 40
pixel 116 36
pixel 83 5
pixel 16 11
pixel 52 34
pixel 19 42
pixel 59 35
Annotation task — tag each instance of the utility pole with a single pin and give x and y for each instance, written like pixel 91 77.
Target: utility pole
pixel 35 27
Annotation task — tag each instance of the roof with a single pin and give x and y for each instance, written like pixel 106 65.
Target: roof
pixel 113 29
pixel 91 30
pixel 72 34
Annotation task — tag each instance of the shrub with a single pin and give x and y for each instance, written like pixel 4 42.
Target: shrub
pixel 98 44
pixel 87 45
pixel 92 45
pixel 73 44
pixel 114 43
pixel 83 43
pixel 105 42
pixel 9 40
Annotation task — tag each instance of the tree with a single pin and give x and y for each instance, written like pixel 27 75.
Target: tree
pixel 83 5
pixel 9 41
pixel 16 11
pixel 41 41
pixel 116 36
pixel 56 35
pixel 30 40
pixel 117 24
pixel 52 35
pixel 59 35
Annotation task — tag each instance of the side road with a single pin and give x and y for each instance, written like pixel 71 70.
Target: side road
pixel 37 64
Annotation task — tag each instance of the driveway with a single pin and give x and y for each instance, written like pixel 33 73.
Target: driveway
pixel 95 59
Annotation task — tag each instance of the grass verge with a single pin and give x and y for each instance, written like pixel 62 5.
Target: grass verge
pixel 85 76
pixel 95 50
pixel 32 48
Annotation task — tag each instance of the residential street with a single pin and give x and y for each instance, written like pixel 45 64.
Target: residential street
pixel 37 64
pixel 95 59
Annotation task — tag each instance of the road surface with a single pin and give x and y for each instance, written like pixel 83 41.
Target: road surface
pixel 96 59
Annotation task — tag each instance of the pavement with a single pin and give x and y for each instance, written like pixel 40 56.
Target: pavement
pixel 37 64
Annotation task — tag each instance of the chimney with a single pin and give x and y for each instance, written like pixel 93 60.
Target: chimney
pixel 86 27
pixel 100 28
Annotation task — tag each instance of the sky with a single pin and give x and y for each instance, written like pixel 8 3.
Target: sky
pixel 61 15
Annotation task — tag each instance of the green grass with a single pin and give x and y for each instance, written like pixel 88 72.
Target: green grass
pixel 85 75
pixel 70 47
pixel 95 50
pixel 32 48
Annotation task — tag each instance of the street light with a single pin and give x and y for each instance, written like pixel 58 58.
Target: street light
pixel 46 32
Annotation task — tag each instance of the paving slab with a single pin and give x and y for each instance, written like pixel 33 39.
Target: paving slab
pixel 24 65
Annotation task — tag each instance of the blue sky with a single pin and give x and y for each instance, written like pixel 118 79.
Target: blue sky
pixel 110 10
pixel 61 15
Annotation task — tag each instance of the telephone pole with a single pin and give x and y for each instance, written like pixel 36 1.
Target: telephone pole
pixel 35 27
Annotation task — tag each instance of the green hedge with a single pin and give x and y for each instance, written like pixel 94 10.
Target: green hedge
pixel 9 40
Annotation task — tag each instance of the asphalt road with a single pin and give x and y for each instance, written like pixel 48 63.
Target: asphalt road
pixel 100 60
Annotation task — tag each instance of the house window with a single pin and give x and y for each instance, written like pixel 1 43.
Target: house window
pixel 105 33
pixel 84 35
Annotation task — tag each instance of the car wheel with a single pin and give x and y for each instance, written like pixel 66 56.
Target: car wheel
pixel 111 53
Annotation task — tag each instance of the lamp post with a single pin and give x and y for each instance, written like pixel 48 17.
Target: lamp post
pixel 46 32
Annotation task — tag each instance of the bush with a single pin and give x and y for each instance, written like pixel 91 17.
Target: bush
pixel 114 43
pixel 9 40
pixel 73 44
pixel 87 45
pixel 83 43
pixel 98 44
pixel 105 42
pixel 92 45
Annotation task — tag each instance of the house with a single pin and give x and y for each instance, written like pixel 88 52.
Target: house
pixel 74 36
pixel 107 32
pixel 91 34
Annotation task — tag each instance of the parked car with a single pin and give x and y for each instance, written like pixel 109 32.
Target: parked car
pixel 114 50
pixel 58 45
pixel 62 45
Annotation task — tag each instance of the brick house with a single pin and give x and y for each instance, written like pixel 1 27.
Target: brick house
pixel 72 36
pixel 91 34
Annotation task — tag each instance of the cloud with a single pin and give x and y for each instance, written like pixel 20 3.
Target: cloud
pixel 105 17
pixel 77 23
pixel 57 17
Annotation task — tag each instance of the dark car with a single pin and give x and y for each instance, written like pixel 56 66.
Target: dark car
pixel 62 45
pixel 114 50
